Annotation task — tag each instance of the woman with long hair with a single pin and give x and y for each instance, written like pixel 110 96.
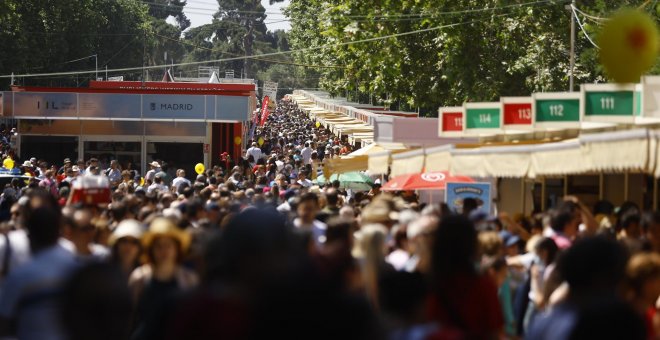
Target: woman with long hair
pixel 463 301
pixel 154 284
pixel 126 246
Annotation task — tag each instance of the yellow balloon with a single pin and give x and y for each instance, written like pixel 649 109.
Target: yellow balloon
pixel 261 141
pixel 318 124
pixel 238 140
pixel 141 181
pixel 199 168
pixel 628 45
pixel 8 163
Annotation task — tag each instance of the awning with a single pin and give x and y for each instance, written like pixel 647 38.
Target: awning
pixel 408 162
pixel 618 151
pixel 558 159
pixel 509 161
pixel 379 162
pixel 342 165
pixel 468 162
pixel 438 158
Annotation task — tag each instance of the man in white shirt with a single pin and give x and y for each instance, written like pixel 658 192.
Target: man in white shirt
pixel 114 173
pixel 306 154
pixel 254 151
pixel 92 163
pixel 306 221
pixel 303 181
pixel 151 174
pixel 157 185
pixel 79 232
pixel 180 179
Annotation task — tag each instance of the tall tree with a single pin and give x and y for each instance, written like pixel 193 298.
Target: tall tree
pixel 48 35
pixel 459 50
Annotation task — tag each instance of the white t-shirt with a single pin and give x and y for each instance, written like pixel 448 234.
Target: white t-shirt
pixel 317 228
pixel 255 152
pixel 178 181
pixel 306 154
pixel 156 187
pixel 305 183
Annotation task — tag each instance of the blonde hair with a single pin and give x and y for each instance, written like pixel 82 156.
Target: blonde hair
pixel 371 248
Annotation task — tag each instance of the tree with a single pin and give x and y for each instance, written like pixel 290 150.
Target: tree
pixel 462 50
pixel 48 35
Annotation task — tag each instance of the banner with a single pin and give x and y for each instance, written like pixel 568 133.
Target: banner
pixel 120 106
pixel 455 193
pixel 270 90
pixel 264 110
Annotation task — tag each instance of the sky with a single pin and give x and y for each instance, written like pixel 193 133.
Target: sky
pixel 200 12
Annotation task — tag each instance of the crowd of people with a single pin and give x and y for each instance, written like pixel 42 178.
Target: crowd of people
pixel 260 250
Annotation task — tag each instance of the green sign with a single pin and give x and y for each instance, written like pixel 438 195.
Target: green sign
pixel 557 110
pixel 482 118
pixel 609 103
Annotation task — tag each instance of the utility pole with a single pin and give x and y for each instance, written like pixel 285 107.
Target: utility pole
pixel 572 62
pixel 96 68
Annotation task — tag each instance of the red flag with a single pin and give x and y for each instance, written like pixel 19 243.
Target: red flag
pixel 264 110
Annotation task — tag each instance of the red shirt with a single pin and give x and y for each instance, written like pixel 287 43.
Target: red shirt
pixel 468 304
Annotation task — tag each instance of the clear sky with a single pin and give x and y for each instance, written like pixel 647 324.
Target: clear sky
pixel 200 12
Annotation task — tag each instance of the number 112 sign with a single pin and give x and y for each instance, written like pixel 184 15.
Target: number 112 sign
pixel 556 109
pixel 451 121
pixel 517 113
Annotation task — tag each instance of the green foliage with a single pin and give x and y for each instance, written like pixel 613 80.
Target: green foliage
pixel 509 50
pixel 44 35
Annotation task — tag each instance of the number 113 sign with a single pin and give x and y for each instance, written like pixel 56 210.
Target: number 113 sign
pixel 517 113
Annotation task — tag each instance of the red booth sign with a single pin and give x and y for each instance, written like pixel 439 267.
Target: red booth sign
pixel 451 120
pixel 517 111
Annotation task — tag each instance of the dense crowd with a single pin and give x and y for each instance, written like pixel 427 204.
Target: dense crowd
pixel 258 249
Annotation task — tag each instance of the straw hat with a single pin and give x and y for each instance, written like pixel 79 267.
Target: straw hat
pixel 165 227
pixel 126 228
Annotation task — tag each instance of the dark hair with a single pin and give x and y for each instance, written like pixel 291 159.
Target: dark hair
pixel 593 265
pixel 630 218
pixel 43 221
pixel 469 204
pixel 339 229
pixel 650 218
pixel 309 197
pixel 547 244
pixel 563 215
pixel 454 247
pixel 332 197
pixel 603 207
pixel 96 303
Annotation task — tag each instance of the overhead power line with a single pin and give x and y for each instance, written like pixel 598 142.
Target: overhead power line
pixel 334 45
pixel 274 61
pixel 582 27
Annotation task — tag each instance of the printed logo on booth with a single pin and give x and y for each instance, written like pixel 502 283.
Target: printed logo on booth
pixel 433 177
